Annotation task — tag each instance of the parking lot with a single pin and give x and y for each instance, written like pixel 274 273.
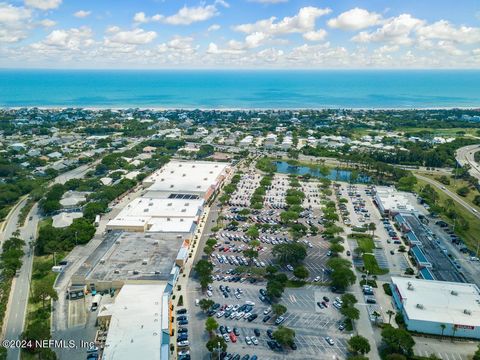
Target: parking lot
pixel 310 323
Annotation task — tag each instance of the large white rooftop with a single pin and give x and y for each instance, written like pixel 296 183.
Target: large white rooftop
pixel 186 176
pixel 439 301
pixel 389 199
pixel 167 215
pixel 135 325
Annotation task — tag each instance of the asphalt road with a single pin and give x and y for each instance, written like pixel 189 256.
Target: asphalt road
pixel 449 193
pixel 465 156
pixel 15 316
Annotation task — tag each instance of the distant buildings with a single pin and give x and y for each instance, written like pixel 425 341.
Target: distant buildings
pixel 287 143
pixel 246 141
pixel 270 141
pixel 438 307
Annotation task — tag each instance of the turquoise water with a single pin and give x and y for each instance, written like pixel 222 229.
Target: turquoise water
pixel 338 175
pixel 240 89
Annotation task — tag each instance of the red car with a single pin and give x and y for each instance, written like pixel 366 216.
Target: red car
pixel 233 338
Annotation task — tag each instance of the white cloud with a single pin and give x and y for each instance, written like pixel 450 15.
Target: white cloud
pixel 304 21
pixel 12 16
pixel 74 39
pixel 129 37
pixel 444 30
pixel 179 46
pixel 43 4
pixel 355 19
pixel 140 17
pixel 318 35
pixel 188 15
pixel 185 16
pixel 70 39
pixel 222 3
pixel 14 22
pixel 270 55
pixel 395 30
pixel 449 48
pixel 82 14
pixel 48 23
pixel 213 27
pixel 214 49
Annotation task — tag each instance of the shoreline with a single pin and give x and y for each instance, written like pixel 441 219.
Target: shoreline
pixel 180 108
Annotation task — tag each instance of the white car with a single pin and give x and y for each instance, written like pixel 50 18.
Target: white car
pixel 317 279
pixel 240 315
pixel 226 337
pixel 209 293
pixel 290 267
pixel 254 340
pixel 183 343
pixel 267 311
pixel 248 340
pixel 220 314
pixel 330 340
pixel 251 303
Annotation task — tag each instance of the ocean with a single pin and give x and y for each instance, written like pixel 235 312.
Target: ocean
pixel 241 89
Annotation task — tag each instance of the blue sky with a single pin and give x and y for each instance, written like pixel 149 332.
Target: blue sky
pixel 240 34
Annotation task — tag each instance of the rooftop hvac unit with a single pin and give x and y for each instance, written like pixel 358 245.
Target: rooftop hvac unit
pixel 144 262
pixel 116 271
pixel 156 242
pixel 419 306
pixel 410 286
pixel 467 312
pixel 454 293
pixel 102 261
pixel 135 272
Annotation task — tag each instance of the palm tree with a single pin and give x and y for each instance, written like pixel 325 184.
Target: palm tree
pixel 372 227
pixel 454 331
pixel 390 313
pixel 443 327
pixel 376 315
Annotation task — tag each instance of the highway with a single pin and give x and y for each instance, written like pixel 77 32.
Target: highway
pixel 15 315
pixel 465 156
pixel 16 309
pixel 454 196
